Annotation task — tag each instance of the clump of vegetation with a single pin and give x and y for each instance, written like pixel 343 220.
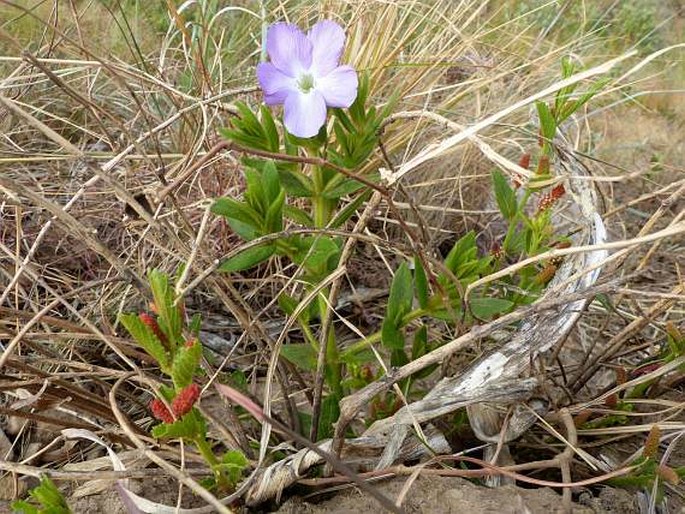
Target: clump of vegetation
pixel 47 499
pixel 195 221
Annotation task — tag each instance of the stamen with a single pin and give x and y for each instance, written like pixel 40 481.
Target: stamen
pixel 306 82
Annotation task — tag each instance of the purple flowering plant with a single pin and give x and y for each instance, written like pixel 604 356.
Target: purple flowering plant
pixel 299 169
pixel 305 76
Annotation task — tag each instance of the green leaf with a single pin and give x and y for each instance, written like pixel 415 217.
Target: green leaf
pixel 505 195
pixel 350 209
pixel 298 215
pixel 357 109
pixel 398 358
pixel 232 464
pixel 330 411
pixel 255 193
pixel 300 354
pixel 287 303
pixel 146 338
pixel 317 254
pixel 486 308
pixel 190 426
pixel 24 507
pixel 273 221
pixel 391 335
pixel 571 107
pixel 195 323
pixel 48 496
pixel 344 188
pixel 270 129
pixel 567 67
pixel 271 181
pixel 235 210
pixel 186 361
pixel 296 183
pixel 548 124
pixel 247 232
pixel 420 346
pixel 401 294
pixel 421 283
pixel 247 130
pixel 358 357
pixel 247 258
pixel 463 251
pixel 169 315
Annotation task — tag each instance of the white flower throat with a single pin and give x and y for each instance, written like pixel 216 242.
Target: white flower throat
pixel 306 82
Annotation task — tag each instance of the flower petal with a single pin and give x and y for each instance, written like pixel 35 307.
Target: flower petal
pixel 328 40
pixel 275 84
pixel 304 113
pixel 289 49
pixel 339 87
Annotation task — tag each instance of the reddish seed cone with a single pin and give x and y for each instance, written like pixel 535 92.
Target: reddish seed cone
pixel 543 166
pixel 669 474
pixel 581 418
pixel 160 411
pixel 652 442
pixel 152 323
pixel 185 400
pixel 524 162
pixel 546 274
pixel 551 198
pixel 611 401
pixel 497 251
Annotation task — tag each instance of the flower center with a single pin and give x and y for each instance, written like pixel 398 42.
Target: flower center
pixel 306 82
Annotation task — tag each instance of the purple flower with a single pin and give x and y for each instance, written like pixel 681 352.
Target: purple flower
pixel 304 75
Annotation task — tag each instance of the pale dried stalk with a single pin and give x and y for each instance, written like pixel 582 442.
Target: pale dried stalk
pixel 273 480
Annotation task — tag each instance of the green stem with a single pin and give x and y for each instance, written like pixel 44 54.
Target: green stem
pixel 309 336
pixel 376 337
pixel 321 211
pixel 333 361
pixel 318 201
pixel 206 451
pixel 510 233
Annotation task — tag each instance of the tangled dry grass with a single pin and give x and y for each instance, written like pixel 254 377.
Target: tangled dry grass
pixel 110 157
